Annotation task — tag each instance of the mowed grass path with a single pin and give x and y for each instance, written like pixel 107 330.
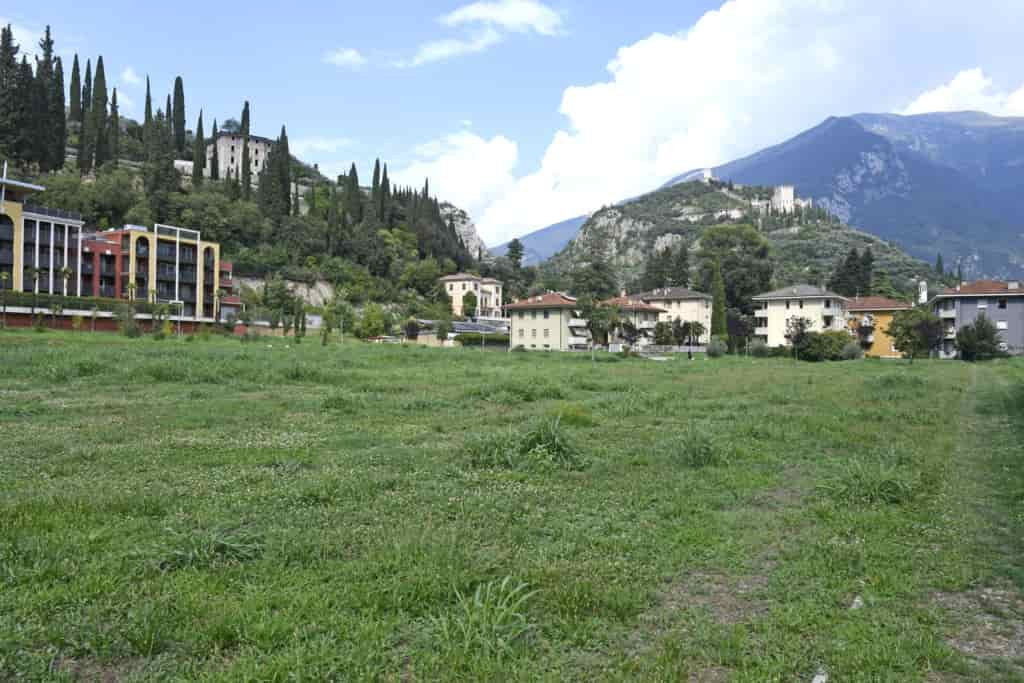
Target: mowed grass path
pixel 220 511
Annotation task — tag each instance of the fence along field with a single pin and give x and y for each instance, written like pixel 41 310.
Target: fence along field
pixel 234 511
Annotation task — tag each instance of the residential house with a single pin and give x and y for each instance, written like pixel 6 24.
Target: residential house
pixel 642 316
pixel 685 305
pixel 1000 302
pixel 869 318
pixel 488 293
pixel 548 322
pixel 824 310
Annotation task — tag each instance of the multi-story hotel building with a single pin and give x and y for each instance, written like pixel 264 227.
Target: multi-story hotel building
pixel 487 291
pixel 49 252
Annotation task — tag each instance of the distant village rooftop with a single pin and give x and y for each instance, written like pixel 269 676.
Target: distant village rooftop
pixel 548 300
pixel 672 294
pixel 799 292
pixel 984 287
pixel 625 303
pixel 875 303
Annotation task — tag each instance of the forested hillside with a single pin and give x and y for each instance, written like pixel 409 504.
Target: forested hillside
pixel 374 241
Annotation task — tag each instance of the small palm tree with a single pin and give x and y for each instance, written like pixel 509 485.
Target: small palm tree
pixel 4 277
pixel 93 314
pixel 131 291
pixel 34 273
pixel 55 310
pixel 65 275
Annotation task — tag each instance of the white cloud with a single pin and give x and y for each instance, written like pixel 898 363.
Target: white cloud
pixel 441 50
pixel 464 169
pixel 511 15
pixel 125 104
pixel 970 90
pixel 745 76
pixel 129 76
pixel 346 58
pixel 489 22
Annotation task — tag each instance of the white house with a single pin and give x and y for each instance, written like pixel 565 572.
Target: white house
pixel 824 309
pixel 680 303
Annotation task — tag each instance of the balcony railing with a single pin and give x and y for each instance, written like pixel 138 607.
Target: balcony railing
pixel 107 292
pixel 579 341
pixel 53 213
pixel 947 314
pixel 188 276
pixel 108 270
pixel 577 322
pixel 88 268
pixel 761 331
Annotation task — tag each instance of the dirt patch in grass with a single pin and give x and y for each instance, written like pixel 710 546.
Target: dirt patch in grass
pixel 989 622
pixel 95 671
pixel 729 600
pixel 714 674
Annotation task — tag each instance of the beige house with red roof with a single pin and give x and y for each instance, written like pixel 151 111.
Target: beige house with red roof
pixel 548 322
pixel 1000 302
pixel 488 293
pixel 869 318
pixel 641 315
pixel 682 304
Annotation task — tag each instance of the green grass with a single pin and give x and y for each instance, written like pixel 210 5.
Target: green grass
pixel 232 512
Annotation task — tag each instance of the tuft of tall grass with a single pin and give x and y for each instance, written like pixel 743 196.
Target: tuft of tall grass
pixel 546 445
pixel 696 447
pixel 210 549
pixel 489 623
pixel 872 482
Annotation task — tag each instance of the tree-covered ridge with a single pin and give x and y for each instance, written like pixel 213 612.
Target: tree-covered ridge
pixel 808 245
pixel 380 242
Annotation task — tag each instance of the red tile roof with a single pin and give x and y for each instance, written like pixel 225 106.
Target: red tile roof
pixel 984 287
pixel 549 300
pixel 625 303
pixel 460 276
pixel 876 303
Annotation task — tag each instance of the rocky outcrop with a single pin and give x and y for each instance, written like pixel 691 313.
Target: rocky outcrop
pixel 317 294
pixel 466 228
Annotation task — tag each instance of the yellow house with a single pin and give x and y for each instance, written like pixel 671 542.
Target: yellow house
pixel 487 291
pixel 869 319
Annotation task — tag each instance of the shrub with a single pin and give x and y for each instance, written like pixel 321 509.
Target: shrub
pixel 489 623
pixel 126 322
pixel 852 351
pixel 979 341
pixel 696 448
pixel 821 346
pixel 341 403
pixel 717 348
pixel 758 349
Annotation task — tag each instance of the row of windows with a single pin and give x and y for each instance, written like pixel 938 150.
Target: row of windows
pixel 828 303
pixel 533 333
pixel 1000 304
pixel 533 315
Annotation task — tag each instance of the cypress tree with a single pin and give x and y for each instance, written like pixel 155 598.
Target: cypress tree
pixel 169 113
pixel 332 240
pixel 385 198
pixel 353 199
pixel 179 116
pixel 114 134
pixel 940 267
pixel 9 76
pixel 719 325
pixel 375 188
pixel 75 107
pixel 58 118
pixel 867 272
pixel 98 138
pixel 295 200
pixel 42 110
pixel 214 157
pixel 198 153
pixel 87 92
pixel 284 174
pixel 148 120
pixel 21 143
pixel 246 170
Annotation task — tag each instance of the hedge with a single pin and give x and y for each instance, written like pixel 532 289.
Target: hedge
pixel 473 339
pixel 82 303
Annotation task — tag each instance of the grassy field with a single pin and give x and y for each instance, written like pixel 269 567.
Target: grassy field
pixel 225 511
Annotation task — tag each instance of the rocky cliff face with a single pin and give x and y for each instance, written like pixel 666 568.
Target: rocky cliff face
pixel 466 228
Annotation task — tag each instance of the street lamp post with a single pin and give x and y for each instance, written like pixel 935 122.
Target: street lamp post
pixel 181 313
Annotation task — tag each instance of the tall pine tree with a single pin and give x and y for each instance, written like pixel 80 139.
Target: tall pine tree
pixel 214 156
pixel 680 272
pixel 75 107
pixel 9 77
pixel 198 153
pixel 58 118
pixel 86 92
pixel 98 111
pixel 246 170
pixel 114 131
pixel 179 117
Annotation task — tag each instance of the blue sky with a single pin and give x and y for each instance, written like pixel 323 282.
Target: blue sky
pixel 526 112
